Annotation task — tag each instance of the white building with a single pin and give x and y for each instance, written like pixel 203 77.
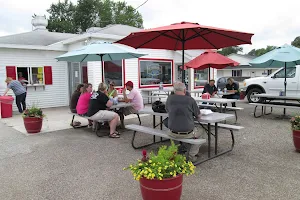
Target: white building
pixel 51 83
pixel 244 70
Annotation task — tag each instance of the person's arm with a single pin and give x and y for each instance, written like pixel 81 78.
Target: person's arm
pixel 109 103
pixel 204 90
pixel 215 91
pixel 195 109
pixel 115 94
pixel 236 88
pixel 5 92
pixel 127 99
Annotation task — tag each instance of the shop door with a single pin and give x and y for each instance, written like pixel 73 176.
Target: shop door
pixel 75 77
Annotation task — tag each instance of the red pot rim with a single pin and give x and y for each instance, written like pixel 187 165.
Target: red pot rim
pixel 164 179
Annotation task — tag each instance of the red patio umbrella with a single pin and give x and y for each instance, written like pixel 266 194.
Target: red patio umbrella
pixel 210 59
pixel 186 35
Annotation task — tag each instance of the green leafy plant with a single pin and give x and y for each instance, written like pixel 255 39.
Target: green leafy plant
pixel 166 164
pixel 295 122
pixel 33 111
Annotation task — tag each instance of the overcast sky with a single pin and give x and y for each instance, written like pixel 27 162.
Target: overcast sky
pixel 273 22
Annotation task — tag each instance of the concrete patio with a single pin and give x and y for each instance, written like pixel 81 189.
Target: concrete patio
pixel 76 164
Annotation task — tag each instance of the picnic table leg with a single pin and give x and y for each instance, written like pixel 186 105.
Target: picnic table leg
pixel 216 138
pixel 161 126
pixel 154 125
pixel 122 120
pixel 208 136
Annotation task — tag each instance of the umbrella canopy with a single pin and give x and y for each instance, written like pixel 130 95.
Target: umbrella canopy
pixel 100 51
pixel 186 35
pixel 280 56
pixel 286 55
pixel 210 59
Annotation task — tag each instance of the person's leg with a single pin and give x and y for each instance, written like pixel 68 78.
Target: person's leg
pixel 18 102
pixel 113 124
pixel 23 101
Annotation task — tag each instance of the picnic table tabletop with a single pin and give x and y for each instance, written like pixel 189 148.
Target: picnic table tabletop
pixel 165 89
pixel 121 105
pixel 272 96
pixel 214 117
pixel 225 93
pixel 215 100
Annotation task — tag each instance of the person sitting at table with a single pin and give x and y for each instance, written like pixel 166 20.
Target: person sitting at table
pixel 210 88
pixel 112 93
pixel 183 111
pixel 134 97
pixel 232 87
pixel 74 98
pixel 99 103
pixel 84 100
pixel 73 102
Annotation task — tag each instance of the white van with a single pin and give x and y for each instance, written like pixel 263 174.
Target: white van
pixel 273 84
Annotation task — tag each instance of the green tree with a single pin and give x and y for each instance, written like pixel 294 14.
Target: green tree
pixel 69 18
pixel 259 52
pixel 125 14
pixel 61 17
pixel 296 42
pixel 229 50
pixel 86 14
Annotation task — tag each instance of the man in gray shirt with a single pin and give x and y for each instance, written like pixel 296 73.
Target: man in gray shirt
pixel 19 91
pixel 183 111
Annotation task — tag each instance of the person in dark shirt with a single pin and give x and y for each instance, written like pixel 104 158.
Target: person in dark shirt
pixel 74 98
pixel 232 87
pixel 210 88
pixel 99 103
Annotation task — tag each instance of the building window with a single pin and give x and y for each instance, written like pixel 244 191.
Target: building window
pixel 30 75
pixel 153 72
pixel 237 73
pixel 113 71
pixel 200 77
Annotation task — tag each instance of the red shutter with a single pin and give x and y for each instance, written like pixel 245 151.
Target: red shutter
pixel 11 72
pixel 84 74
pixel 48 75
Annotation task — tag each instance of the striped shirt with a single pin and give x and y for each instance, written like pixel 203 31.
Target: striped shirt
pixel 17 87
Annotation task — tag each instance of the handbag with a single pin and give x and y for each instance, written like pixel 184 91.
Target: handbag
pixel 159 107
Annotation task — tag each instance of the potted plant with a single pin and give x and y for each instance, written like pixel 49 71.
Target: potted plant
pixel 161 175
pixel 33 119
pixel 242 94
pixel 295 122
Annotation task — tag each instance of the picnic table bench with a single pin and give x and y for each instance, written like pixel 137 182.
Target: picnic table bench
pixel 208 120
pixel 275 101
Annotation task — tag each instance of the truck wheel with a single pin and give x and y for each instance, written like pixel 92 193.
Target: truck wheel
pixel 251 98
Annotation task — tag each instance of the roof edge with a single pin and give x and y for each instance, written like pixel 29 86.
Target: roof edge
pixel 92 35
pixel 32 47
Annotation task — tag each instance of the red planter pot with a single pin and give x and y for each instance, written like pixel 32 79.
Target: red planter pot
pixel 296 138
pixel 33 124
pixel 166 189
pixel 242 95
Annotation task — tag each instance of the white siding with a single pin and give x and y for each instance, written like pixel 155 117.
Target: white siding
pixel 54 95
pixel 94 74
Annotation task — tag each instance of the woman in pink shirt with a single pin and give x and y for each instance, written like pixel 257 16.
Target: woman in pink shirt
pixel 84 100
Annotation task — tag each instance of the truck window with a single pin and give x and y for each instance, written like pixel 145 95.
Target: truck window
pixel 290 73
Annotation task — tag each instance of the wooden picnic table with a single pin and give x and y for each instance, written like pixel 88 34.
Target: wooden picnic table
pixel 213 118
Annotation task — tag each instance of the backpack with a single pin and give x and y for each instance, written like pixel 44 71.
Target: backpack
pixel 159 107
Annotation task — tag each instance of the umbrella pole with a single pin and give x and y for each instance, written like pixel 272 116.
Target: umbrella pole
pixel 209 72
pixel 102 65
pixel 183 71
pixel 285 79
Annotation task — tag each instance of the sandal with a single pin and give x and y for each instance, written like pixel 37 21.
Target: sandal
pixel 114 135
pixel 118 133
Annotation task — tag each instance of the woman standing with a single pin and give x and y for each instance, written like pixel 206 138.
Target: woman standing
pixel 19 91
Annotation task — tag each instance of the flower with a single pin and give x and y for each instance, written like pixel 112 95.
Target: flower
pixel 165 164
pixel 295 122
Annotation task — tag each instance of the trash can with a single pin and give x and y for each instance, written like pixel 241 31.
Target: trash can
pixel 6 106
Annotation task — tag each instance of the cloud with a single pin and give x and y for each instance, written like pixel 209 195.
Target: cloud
pixel 273 22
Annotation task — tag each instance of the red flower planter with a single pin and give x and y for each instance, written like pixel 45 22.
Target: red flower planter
pixel 242 95
pixel 166 189
pixel 33 124
pixel 296 138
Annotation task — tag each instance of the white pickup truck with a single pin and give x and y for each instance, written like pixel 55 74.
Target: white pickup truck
pixel 273 84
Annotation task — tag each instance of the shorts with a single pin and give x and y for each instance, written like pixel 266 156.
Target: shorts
pixel 104 115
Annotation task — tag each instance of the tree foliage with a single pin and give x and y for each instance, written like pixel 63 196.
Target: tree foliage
pixel 259 52
pixel 229 50
pixel 296 42
pixel 66 17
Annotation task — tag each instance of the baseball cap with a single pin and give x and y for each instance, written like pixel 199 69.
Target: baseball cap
pixel 129 83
